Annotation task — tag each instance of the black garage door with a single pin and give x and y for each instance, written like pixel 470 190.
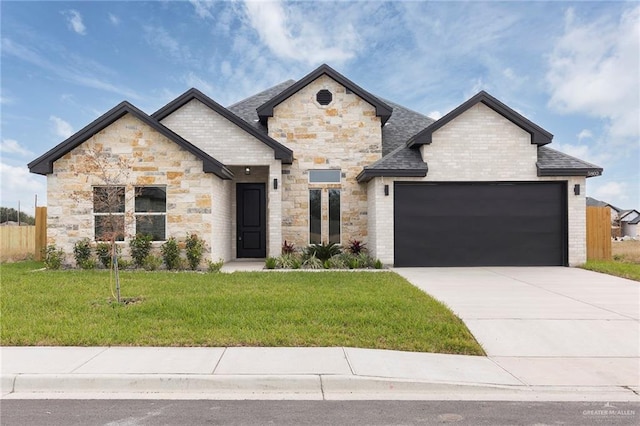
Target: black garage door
pixel 480 224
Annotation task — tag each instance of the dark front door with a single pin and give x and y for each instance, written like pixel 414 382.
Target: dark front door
pixel 251 220
pixel 480 224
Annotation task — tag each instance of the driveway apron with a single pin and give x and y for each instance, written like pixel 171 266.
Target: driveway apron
pixel 550 325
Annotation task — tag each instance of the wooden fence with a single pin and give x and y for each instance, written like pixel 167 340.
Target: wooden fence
pixel 598 233
pixel 20 242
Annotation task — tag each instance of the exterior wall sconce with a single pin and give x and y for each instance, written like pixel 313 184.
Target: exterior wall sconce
pixel 386 190
pixel 576 189
pixel 275 183
pixel 247 170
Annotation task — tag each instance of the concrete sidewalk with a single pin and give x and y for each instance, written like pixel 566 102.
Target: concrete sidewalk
pixel 280 373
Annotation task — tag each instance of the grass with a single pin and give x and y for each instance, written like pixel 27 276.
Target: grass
pixel 625 263
pixel 354 309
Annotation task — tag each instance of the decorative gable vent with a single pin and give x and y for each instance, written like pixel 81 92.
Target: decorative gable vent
pixel 324 97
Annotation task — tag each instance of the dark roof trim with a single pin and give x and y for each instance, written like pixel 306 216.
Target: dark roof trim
pixel 627 212
pixel 561 171
pixel 382 109
pixel 281 152
pixel 43 165
pixel 367 174
pixel 539 136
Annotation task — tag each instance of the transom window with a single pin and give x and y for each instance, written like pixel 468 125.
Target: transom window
pixel 151 211
pixel 108 213
pixel 324 176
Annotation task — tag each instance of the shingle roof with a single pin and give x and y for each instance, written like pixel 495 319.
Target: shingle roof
pixel 555 163
pixel 401 162
pixel 403 124
pixel 592 202
pixel 246 108
pixel 44 164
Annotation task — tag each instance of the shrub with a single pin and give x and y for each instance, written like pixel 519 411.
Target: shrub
pixel 312 262
pixel 88 264
pixel 124 263
pixel 171 254
pixel 337 262
pixel 288 248
pixel 356 247
pixel 103 251
pixel 214 266
pixel 365 261
pixel 271 263
pixel 53 257
pixel 378 264
pixel 194 247
pixel 82 252
pixel 323 251
pixel 140 248
pixel 151 262
pixel 288 261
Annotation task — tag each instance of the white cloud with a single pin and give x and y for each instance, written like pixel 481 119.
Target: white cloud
pixel 74 21
pixel 69 72
pixel 114 19
pixel 17 184
pixel 11 146
pixel 611 190
pixel 192 80
pixel 594 70
pixel 294 34
pixel 160 39
pixel 202 8
pixel 436 115
pixel 584 134
pixel 61 127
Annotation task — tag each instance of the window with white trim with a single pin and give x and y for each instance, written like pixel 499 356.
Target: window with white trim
pixel 151 211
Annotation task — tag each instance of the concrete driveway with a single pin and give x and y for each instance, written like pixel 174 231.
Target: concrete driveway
pixel 546 325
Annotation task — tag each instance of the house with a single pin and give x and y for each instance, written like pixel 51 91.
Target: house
pixel 624 223
pixel 323 160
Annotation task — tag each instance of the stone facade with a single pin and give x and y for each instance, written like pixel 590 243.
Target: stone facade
pixel 131 154
pixel 479 145
pixel 345 134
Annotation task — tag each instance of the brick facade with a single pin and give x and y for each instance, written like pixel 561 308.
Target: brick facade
pixel 479 145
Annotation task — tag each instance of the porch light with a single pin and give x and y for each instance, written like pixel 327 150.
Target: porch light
pixel 275 183
pixel 386 190
pixel 247 170
pixel 576 189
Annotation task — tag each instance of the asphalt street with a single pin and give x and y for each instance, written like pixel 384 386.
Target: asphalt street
pixel 165 412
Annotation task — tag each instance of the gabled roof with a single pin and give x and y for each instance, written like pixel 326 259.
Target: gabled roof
pixel 281 152
pixel 539 136
pixel 623 214
pixel 401 162
pixel 555 163
pixel 382 110
pixel 43 165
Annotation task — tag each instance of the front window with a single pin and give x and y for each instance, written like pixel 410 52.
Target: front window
pixel 108 213
pixel 151 211
pixel 315 209
pixel 334 216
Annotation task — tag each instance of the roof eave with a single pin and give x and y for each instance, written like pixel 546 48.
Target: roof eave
pixel 367 174
pixel 382 109
pixel 281 152
pixel 563 171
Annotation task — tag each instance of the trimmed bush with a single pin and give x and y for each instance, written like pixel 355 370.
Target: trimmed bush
pixel 140 248
pixel 171 254
pixel 82 253
pixel 194 247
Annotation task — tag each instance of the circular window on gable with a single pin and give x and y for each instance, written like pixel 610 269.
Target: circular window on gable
pixel 324 97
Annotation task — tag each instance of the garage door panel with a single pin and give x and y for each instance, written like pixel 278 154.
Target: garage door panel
pixel 480 224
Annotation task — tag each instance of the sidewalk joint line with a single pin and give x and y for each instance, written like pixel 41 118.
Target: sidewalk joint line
pixel 90 359
pixel 509 372
pixel 346 357
pixel 630 389
pixel 322 388
pixel 219 360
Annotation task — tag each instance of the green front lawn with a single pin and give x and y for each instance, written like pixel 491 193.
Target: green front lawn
pixel 355 309
pixel 613 267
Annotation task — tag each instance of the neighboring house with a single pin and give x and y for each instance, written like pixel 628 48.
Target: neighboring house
pixel 322 159
pixel 629 220
pixel 624 223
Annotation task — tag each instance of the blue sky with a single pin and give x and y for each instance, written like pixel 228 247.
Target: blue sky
pixel 571 67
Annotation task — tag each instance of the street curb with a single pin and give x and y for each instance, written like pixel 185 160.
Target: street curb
pixel 307 387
